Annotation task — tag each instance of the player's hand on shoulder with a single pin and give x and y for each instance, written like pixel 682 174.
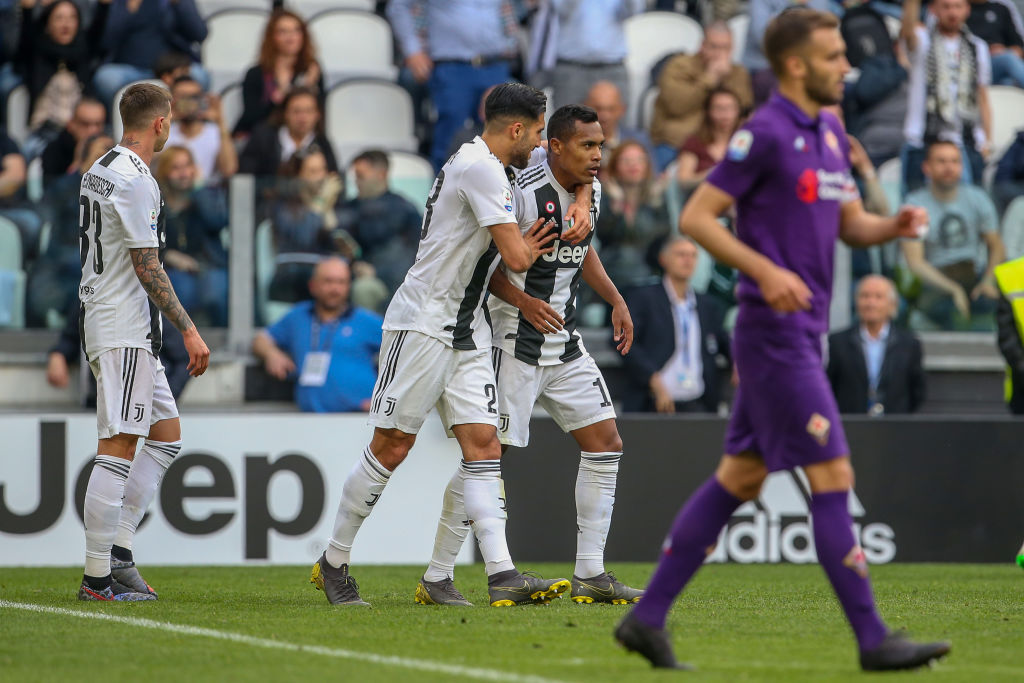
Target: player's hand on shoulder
pixel 784 291
pixel 578 220
pixel 622 328
pixel 198 352
pixel 540 237
pixel 541 315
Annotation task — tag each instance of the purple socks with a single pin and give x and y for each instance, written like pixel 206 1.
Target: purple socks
pixel 843 561
pixel 694 532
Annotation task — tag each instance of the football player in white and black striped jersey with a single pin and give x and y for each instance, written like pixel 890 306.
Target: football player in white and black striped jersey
pixel 539 358
pixel 123 291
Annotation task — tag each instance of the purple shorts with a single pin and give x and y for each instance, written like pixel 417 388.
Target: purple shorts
pixel 784 409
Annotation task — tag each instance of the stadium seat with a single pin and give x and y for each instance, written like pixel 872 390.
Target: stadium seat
pixel 311 8
pixel 231 104
pixel 409 175
pixel 232 45
pixel 116 128
pixel 353 44
pixel 1013 229
pixel 12 277
pixel 364 113
pixel 207 8
pixel 1007 104
pixel 268 311
pixel 647 106
pixel 34 181
pixel 739 26
pixel 890 175
pixel 649 37
pixel 18 107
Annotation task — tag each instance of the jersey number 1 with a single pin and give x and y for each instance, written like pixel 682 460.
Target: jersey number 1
pixel 83 232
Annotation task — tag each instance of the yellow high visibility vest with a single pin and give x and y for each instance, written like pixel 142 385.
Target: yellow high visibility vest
pixel 1010 278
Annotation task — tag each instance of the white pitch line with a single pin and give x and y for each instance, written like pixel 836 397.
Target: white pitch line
pixel 386 660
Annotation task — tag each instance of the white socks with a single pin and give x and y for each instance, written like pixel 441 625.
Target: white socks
pixel 360 493
pixel 147 470
pixel 595 498
pixel 452 529
pixel 484 494
pixel 102 511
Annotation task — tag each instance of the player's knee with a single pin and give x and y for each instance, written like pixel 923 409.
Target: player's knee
pixel 832 475
pixel 742 478
pixel 119 446
pixel 391 446
pixel 482 449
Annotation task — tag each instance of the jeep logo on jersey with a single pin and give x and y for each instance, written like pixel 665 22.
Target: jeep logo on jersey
pixel 776 527
pixel 566 255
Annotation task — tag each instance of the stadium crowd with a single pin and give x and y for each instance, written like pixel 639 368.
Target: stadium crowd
pixel 931 106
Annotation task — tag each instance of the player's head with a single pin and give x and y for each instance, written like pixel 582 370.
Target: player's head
pixel 300 112
pixel 876 300
pixel 950 15
pixel 371 172
pixel 807 52
pixel 176 170
pixel 943 165
pixel 516 112
pixel 93 148
pixel 146 108
pixel 330 284
pixel 678 258
pixel 575 142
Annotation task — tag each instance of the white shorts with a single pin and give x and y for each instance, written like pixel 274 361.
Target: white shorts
pixel 419 372
pixel 573 393
pixel 131 392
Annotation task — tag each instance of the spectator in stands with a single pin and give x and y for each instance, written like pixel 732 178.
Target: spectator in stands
pixel 66 352
pixel 633 216
pixel 57 56
pixel 601 57
pixel 171 66
pixel 962 217
pixel 328 345
pixel 721 10
pixel 460 47
pixel 761 12
pixel 950 72
pixel 304 219
pixel 873 366
pixel 1010 326
pixel 198 124
pixel 53 278
pixel 298 128
pixel 65 152
pixel 680 350
pixel 999 25
pixel 386 225
pixel 13 174
pixel 1008 183
pixel 706 147
pixel 195 258
pixel 606 99
pixel 684 85
pixel 287 60
pixel 138 32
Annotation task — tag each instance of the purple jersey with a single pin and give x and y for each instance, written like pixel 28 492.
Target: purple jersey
pixel 789 176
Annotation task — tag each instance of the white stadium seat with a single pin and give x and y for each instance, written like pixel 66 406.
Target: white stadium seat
pixel 233 44
pixel 649 37
pixel 890 176
pixel 353 44
pixel 365 113
pixel 1007 103
pixel 738 26
pixel 231 104
pixel 311 8
pixel 1013 229
pixel 18 107
pixel 12 277
pixel 650 96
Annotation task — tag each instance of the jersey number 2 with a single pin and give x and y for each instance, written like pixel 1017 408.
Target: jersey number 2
pixel 83 232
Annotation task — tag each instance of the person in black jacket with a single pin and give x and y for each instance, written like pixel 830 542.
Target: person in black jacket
pixel 680 349
pixel 299 126
pixel 874 367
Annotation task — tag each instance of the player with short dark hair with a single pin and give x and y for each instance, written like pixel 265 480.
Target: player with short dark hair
pixel 787 172
pixel 538 357
pixel 436 349
pixel 123 291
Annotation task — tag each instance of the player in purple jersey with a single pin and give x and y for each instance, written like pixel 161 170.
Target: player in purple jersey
pixel 788 175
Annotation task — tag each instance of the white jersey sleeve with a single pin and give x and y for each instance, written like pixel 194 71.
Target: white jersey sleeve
pixel 486 190
pixel 137 204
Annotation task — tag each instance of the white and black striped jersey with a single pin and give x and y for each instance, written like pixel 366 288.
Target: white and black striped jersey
pixel 442 293
pixel 120 209
pixel 554 277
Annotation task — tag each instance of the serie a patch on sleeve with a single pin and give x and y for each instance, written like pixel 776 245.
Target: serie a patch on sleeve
pixel 507 199
pixel 739 145
pixel 152 219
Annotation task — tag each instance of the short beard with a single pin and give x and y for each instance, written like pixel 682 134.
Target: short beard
pixel 821 96
pixel 520 159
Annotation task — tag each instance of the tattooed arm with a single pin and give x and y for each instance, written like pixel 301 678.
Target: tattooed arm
pixel 154 280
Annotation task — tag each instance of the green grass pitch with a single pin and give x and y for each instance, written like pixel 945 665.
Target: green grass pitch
pixel 735 623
